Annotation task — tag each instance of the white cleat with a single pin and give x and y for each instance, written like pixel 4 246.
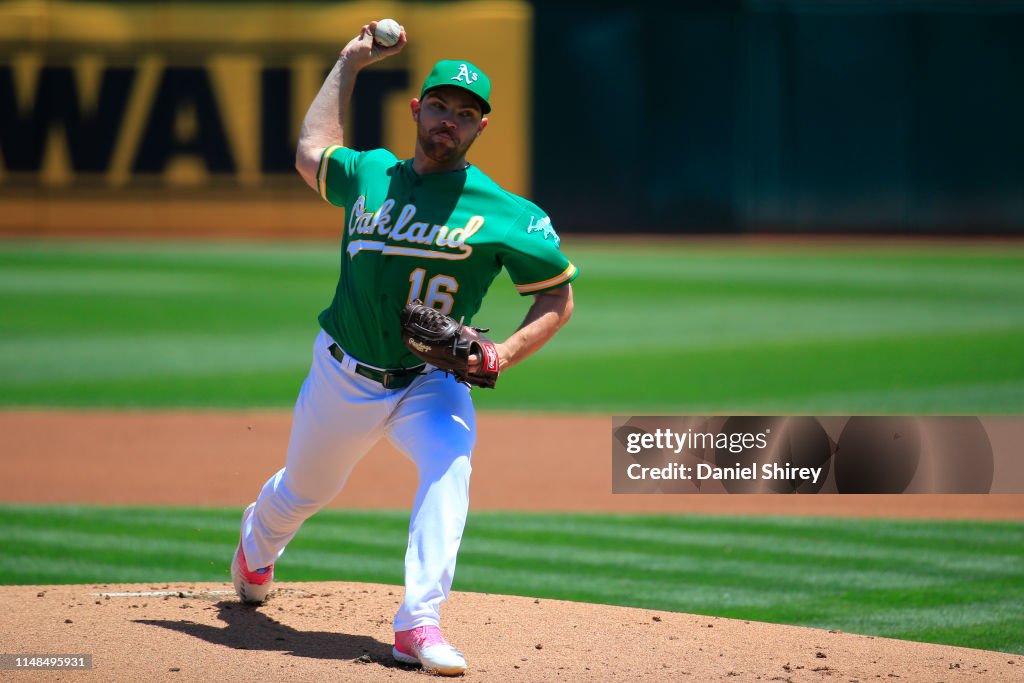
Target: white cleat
pixel 426 646
pixel 252 586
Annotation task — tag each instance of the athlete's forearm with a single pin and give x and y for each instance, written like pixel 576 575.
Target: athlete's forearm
pixel 549 312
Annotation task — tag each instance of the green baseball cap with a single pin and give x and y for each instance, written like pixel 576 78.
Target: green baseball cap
pixel 461 74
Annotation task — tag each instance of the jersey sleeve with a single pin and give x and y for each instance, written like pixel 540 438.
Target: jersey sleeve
pixel 339 169
pixel 532 254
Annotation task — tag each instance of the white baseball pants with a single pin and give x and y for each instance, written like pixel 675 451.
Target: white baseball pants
pixel 339 415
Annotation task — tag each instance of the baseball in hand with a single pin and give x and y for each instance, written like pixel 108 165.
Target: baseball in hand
pixel 387 32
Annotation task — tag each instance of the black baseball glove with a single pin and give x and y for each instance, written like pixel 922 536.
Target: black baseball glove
pixel 447 344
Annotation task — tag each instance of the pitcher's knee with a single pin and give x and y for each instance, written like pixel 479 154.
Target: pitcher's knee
pixel 447 445
pixel 292 500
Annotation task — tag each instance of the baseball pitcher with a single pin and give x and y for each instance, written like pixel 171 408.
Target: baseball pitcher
pixel 423 238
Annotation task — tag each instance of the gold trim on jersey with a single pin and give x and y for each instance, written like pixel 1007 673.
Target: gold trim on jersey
pixel 428 253
pixel 357 246
pixel 321 171
pixel 564 276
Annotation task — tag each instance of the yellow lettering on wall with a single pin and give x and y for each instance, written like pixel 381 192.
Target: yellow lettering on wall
pixel 235 60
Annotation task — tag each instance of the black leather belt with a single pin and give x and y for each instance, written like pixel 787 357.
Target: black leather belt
pixel 389 379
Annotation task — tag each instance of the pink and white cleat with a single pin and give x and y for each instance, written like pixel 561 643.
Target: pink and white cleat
pixel 252 586
pixel 425 645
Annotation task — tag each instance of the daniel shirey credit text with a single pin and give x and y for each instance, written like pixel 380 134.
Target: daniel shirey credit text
pixel 691 441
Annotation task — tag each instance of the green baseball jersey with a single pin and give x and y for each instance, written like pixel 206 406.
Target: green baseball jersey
pixel 441 238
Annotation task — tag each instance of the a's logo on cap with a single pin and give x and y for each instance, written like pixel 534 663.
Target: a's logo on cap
pixel 465 75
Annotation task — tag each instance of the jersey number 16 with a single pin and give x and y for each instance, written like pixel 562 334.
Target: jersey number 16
pixel 439 291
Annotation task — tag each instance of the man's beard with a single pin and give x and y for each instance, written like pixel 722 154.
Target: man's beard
pixel 438 151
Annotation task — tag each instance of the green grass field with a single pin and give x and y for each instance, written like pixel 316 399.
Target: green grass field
pixel 947 582
pixel 677 328
pixel 665 328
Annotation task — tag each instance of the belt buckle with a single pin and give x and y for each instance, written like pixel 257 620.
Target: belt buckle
pixel 387 380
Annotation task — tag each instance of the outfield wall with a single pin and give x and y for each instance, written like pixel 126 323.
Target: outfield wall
pixel 143 117
pixel 737 116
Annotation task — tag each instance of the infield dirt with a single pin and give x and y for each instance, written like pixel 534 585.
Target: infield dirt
pixel 521 462
pixel 342 631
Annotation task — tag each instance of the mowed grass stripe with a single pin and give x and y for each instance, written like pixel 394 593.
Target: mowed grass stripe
pixel 972 613
pixel 28 570
pixel 1000 634
pixel 173 547
pixel 1007 532
pixel 779 322
pixel 625 590
pixel 1003 539
pixel 744 570
pixel 203 560
pixel 774 550
pixel 182 523
pixel 985 398
pixel 152 358
pixel 173 255
pixel 882 261
pixel 773 379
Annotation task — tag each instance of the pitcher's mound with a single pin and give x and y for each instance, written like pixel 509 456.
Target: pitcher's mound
pixel 342 632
